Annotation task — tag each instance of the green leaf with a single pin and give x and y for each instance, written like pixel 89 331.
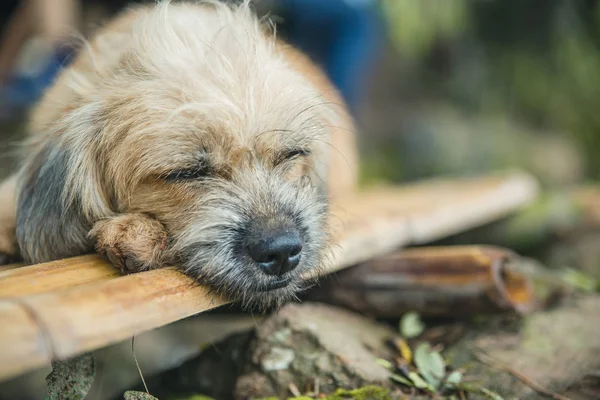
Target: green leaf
pixel 579 280
pixel 384 363
pixel 420 383
pixel 402 380
pixel 437 364
pixel 411 325
pixel 430 363
pixel 432 380
pixel 454 379
pixel 481 390
pixel 490 394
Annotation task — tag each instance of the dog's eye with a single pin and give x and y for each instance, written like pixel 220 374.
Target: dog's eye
pixel 297 153
pixel 198 172
pixel 291 154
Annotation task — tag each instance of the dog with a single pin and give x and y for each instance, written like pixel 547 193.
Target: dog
pixel 186 134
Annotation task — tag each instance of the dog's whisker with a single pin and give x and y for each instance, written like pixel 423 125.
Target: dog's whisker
pixel 348 164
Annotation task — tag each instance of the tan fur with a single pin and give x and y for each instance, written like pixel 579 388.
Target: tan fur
pixel 8 244
pixel 343 157
pixel 158 94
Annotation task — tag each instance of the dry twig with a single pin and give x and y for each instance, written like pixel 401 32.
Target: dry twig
pixel 138 365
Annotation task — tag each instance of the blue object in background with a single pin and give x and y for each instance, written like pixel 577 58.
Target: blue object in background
pixel 24 90
pixel 21 91
pixel 343 36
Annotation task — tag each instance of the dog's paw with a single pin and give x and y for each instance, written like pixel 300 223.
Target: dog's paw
pixel 132 242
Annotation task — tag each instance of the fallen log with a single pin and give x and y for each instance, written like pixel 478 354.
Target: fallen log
pixel 80 304
pixel 455 281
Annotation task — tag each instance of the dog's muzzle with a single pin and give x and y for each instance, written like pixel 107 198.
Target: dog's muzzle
pixel 276 252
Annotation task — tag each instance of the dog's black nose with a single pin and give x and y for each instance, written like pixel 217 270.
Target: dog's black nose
pixel 276 252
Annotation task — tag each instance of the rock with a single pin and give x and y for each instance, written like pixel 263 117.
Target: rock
pixel 301 343
pixel 71 379
pixel 301 346
pixel 132 395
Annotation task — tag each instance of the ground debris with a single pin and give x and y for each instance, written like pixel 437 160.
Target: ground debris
pixel 311 351
pixel 483 357
pixel 289 349
pixel 554 349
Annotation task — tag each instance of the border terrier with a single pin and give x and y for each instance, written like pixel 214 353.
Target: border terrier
pixel 186 134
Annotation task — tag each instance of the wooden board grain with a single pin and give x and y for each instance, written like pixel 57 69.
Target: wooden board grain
pixel 82 304
pixel 89 316
pixel 383 219
pixel 25 345
pixel 16 282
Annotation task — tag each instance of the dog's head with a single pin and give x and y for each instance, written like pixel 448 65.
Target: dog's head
pixel 204 124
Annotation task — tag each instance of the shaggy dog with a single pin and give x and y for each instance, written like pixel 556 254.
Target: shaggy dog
pixel 185 134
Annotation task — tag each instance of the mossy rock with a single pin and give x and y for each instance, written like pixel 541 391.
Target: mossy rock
pixel 370 392
pixel 133 395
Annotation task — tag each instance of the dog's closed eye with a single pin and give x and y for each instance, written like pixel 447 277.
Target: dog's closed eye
pixel 202 170
pixel 291 154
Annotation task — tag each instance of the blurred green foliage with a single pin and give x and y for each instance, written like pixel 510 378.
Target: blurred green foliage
pixel 536 61
pixel 416 24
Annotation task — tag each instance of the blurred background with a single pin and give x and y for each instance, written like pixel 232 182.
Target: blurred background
pixel 438 88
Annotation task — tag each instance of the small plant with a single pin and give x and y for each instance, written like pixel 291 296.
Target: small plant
pixel 425 369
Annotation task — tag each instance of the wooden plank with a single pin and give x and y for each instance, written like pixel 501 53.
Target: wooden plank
pixel 26 345
pixel 384 219
pixel 89 316
pixel 82 306
pixel 486 201
pixel 54 275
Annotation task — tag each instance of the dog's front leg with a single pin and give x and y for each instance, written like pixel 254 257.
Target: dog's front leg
pixel 131 242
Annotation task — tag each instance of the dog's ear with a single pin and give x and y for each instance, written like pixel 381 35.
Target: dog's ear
pixel 50 225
